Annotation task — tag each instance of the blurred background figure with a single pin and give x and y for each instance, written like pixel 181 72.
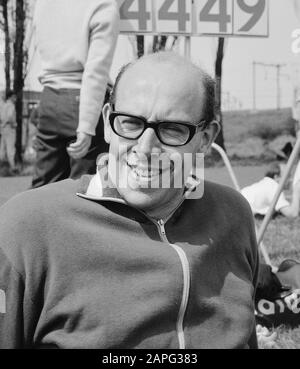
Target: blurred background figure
pixel 33 122
pixel 8 131
pixel 260 194
pixel 34 118
pixel 1 107
pixel 76 41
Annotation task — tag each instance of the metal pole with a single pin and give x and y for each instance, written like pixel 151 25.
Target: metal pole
pixel 237 187
pixel 278 66
pixel 187 47
pixel 228 165
pixel 267 218
pixel 254 85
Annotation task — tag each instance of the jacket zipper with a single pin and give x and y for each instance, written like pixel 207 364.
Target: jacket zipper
pixel 185 268
pixel 186 284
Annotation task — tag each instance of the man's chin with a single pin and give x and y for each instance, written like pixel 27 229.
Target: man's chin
pixel 139 200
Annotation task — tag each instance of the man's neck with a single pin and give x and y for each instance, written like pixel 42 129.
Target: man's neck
pixel 166 212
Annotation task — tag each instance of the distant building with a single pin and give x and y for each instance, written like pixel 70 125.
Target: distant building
pixel 30 100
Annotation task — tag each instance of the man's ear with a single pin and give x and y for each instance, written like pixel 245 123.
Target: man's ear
pixel 209 134
pixel 107 128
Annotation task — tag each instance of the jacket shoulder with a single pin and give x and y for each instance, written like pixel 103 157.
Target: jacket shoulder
pixel 25 217
pixel 226 197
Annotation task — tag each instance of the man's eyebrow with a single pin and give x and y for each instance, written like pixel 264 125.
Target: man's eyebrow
pixel 160 120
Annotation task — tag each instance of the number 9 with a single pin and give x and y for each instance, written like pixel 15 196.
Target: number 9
pixel 256 10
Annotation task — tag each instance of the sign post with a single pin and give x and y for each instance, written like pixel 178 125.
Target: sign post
pixel 187 47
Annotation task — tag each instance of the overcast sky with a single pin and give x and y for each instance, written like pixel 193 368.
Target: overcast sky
pixel 239 56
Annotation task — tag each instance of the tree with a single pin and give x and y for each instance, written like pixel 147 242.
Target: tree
pixel 19 73
pixel 159 43
pixel 4 25
pixel 218 76
pixel 13 15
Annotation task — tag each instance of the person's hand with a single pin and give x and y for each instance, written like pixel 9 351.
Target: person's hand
pixel 79 149
pixel 265 338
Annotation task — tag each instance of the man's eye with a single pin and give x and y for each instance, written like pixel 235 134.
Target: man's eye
pixel 173 130
pixel 131 125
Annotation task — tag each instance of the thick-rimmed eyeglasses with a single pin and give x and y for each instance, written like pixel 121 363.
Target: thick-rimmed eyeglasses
pixel 132 127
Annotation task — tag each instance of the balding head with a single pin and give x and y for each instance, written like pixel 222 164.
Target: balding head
pixel 159 104
pixel 177 71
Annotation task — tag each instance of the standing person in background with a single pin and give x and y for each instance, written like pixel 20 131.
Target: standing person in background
pixel 76 52
pixel 1 107
pixel 33 122
pixel 8 131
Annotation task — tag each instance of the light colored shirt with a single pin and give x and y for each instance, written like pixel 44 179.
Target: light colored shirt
pixel 261 194
pixel 76 41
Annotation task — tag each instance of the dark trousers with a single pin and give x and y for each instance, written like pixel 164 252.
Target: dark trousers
pixel 59 115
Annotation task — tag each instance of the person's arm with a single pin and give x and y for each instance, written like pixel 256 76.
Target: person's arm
pixel 21 270
pixel 104 29
pixel 292 211
pixel 11 306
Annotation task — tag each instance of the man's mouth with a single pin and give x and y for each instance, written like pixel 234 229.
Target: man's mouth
pixel 147 173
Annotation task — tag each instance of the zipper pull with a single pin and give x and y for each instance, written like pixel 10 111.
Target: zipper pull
pixel 162 227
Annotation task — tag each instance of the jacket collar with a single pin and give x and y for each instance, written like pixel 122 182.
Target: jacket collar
pixel 91 188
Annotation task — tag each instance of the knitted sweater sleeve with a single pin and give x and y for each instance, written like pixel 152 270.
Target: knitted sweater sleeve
pixel 103 37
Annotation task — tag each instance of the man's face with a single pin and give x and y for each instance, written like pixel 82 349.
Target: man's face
pixel 157 94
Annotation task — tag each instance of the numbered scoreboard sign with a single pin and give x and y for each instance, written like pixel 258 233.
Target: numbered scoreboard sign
pixel 174 16
pixel 195 17
pixel 136 16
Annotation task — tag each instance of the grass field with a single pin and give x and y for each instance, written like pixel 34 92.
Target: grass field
pixel 250 138
pixel 267 124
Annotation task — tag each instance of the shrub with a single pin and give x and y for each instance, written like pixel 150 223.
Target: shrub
pixel 269 131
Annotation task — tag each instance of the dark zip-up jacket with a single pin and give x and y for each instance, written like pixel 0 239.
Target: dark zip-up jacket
pixel 77 271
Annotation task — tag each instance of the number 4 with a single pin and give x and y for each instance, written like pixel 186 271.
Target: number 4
pixel 181 16
pixel 141 15
pixel 223 18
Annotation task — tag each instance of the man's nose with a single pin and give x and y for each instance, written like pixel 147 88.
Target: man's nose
pixel 148 142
